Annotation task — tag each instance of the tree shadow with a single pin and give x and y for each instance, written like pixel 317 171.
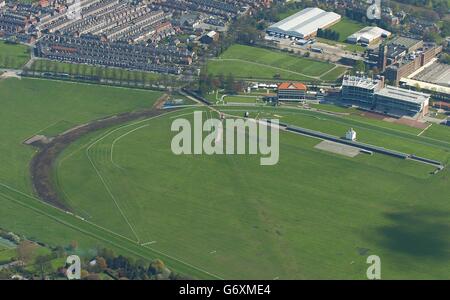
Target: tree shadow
pixel 424 234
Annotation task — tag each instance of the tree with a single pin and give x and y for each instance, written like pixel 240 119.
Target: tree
pixel 73 245
pixel 360 66
pixel 229 84
pixel 101 263
pixel 43 265
pixel 25 250
pixel 156 267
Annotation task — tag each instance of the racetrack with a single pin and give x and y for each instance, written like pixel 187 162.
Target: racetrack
pixel 232 219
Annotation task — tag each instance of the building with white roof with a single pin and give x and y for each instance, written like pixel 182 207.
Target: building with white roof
pixel 374 95
pixel 305 23
pixel 368 35
pixel 393 99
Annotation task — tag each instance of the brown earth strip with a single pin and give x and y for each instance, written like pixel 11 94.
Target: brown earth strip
pixel 41 165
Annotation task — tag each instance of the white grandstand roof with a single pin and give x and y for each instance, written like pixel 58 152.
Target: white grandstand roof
pixel 305 22
pixel 361 82
pixel 403 95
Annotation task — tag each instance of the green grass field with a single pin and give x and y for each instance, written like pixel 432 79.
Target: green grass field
pixel 241 99
pixel 346 27
pixel 13 56
pixel 334 74
pixel 377 132
pixel 314 215
pixel 31 106
pixel 252 62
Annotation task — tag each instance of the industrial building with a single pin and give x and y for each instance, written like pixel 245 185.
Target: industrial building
pixel 368 35
pixel 406 65
pixel 374 95
pixel 304 24
pixel 289 91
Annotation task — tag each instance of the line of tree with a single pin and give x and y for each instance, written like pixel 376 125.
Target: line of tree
pixel 98 73
pixel 208 83
pixel 328 34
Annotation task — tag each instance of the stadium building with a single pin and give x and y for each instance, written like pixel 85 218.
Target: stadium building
pixel 304 24
pixel 288 91
pixel 374 95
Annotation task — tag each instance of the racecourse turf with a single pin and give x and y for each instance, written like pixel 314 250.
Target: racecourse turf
pixel 313 215
pixel 29 107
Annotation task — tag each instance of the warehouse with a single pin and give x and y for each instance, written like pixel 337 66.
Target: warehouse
pixel 304 24
pixel 368 35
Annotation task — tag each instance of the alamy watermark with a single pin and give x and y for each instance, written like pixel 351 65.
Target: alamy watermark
pixel 227 137
pixel 374 10
pixel 374 270
pixel 73 10
pixel 74 269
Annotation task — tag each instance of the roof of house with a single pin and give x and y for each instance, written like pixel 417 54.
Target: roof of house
pixel 292 86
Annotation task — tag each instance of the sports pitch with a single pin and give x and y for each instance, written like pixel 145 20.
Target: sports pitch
pixel 346 27
pixel 258 63
pixel 314 215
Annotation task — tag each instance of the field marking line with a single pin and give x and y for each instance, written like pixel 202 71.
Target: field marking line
pixel 360 124
pixel 61 210
pixel 263 65
pixel 138 128
pixel 335 67
pixel 148 243
pixel 119 138
pixel 101 177
pixel 326 72
pixel 48 126
pixel 112 196
pixel 423 131
pixel 188 264
pixel 182 115
pixel 95 225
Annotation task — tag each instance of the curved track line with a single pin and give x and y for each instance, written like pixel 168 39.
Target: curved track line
pixel 103 180
pixel 118 139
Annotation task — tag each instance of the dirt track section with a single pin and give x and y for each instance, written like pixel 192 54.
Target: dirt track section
pixel 41 166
